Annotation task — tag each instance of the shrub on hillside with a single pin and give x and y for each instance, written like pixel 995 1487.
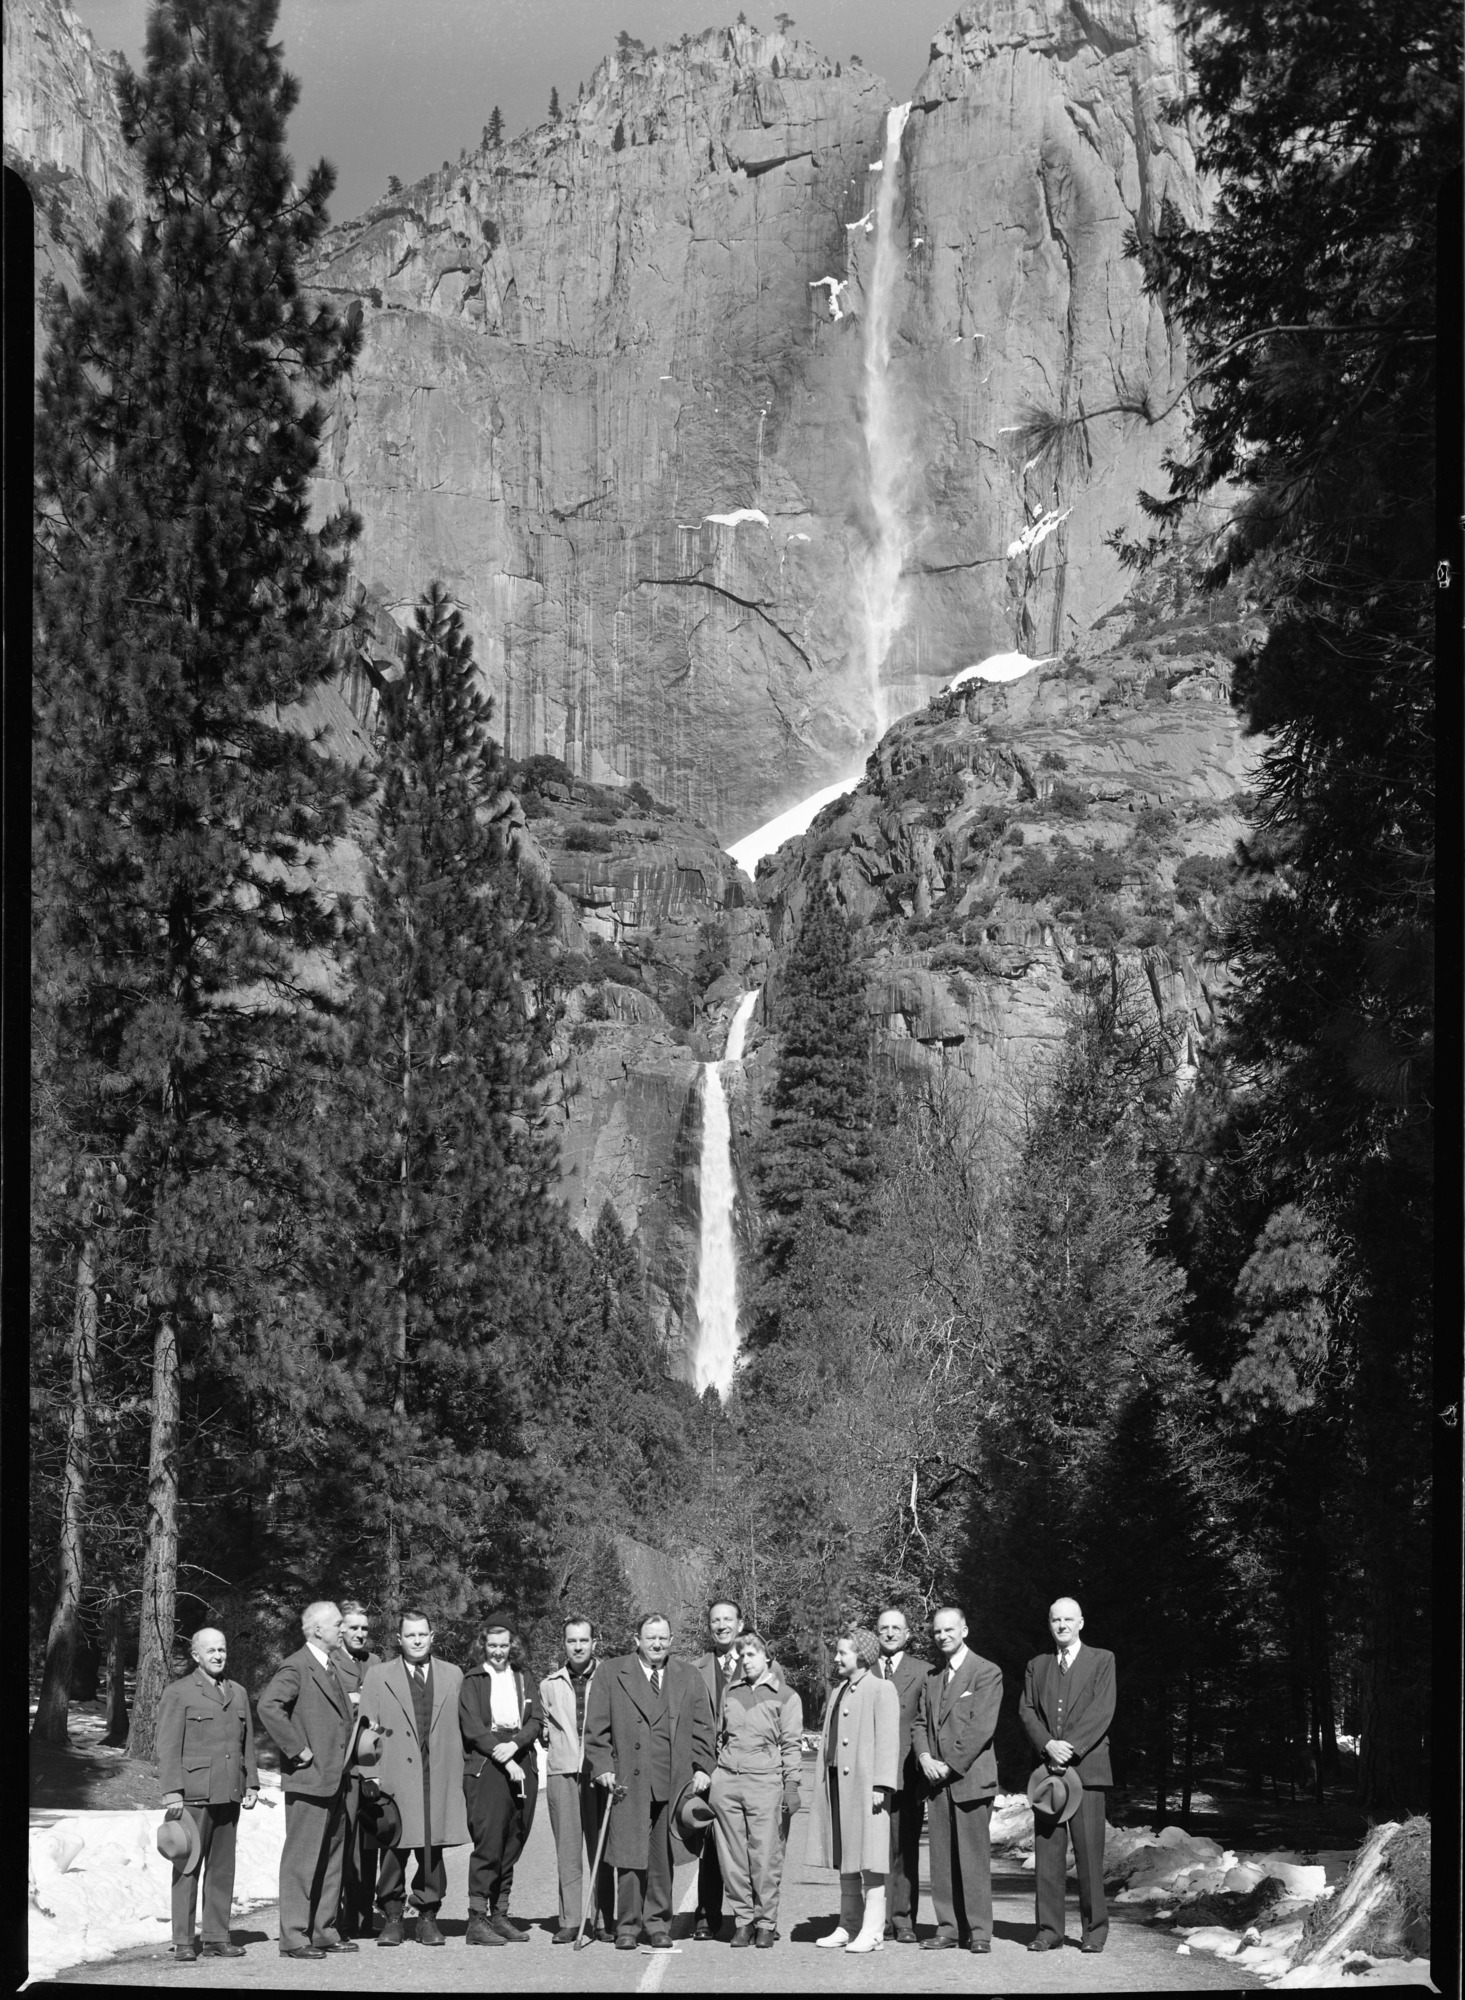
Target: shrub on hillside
pixel 1201 875
pixel 1067 801
pixel 581 839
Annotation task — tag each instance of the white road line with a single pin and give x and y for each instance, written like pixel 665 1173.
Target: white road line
pixel 651 1978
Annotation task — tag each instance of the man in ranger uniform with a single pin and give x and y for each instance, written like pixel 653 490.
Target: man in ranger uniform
pixel 205 1744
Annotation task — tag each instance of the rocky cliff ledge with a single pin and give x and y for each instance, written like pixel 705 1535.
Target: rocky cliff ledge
pixel 610 382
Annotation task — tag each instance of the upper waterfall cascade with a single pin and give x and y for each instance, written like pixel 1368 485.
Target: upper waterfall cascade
pixel 717 1265
pixel 887 440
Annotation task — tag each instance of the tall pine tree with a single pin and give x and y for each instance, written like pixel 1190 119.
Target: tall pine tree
pixel 817 1164
pixel 446 1252
pixel 182 604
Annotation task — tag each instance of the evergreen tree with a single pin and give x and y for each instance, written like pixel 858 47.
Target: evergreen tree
pixel 1308 303
pixel 554 102
pixel 493 131
pixel 817 1164
pixel 449 1255
pixel 183 603
pixel 618 137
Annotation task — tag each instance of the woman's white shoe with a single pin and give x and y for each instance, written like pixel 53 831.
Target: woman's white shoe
pixel 834 1940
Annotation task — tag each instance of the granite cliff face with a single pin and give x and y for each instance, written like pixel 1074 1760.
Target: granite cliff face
pixel 610 386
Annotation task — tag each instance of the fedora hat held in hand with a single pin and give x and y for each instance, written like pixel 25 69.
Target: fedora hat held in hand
pixel 692 1816
pixel 1056 1793
pixel 178 1839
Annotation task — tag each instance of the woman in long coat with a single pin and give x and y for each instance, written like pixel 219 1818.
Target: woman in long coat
pixel 858 1770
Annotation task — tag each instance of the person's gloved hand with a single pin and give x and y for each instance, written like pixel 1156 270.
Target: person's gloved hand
pixel 792 1796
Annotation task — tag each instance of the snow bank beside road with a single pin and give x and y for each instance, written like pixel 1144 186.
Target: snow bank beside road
pixel 98 1884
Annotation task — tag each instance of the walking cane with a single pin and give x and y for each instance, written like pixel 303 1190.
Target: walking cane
pixel 616 1792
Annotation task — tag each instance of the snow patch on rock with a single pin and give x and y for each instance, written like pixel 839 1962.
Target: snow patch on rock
pixel 765 839
pixel 998 667
pixel 740 514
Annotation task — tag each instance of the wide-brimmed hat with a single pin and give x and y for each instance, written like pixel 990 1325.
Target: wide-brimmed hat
pixel 691 1816
pixel 368 1745
pixel 178 1841
pixel 388 1821
pixel 1056 1793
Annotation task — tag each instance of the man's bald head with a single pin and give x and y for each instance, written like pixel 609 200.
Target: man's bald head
pixel 1069 1604
pixel 209 1649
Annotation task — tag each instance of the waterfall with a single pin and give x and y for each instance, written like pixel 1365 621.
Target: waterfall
pixel 717 1263
pixel 887 443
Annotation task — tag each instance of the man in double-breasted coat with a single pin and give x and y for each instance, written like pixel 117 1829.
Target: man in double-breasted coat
pixel 1067 1707
pixel 307 1711
pixel 205 1747
pixel 953 1735
pixel 413 1700
pixel 648 1727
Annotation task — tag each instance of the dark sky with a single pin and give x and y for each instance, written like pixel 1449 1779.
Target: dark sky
pixel 398 86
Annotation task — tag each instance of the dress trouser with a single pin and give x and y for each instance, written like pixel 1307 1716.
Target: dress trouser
pixel 498 1822
pixel 908 1812
pixel 1050 1858
pixel 709 1884
pixel 310 1870
pixel 576 1809
pixel 358 1869
pixel 217 1833
pixel 749 1810
pixel 643 1895
pixel 961 1867
pixel 429 1883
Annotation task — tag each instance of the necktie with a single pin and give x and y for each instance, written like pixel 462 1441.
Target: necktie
pixel 656 1680
pixel 420 1675
pixel 885 1670
pixel 1063 1663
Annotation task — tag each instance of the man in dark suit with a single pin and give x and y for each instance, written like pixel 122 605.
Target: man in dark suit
pixel 205 1746
pixel 908 1807
pixel 308 1712
pixel 648 1728
pixel 953 1733
pixel 1066 1708
pixel 358 1871
pixel 717 1666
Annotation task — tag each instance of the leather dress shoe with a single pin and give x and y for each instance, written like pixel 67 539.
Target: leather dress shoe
pixel 566 1934
pixel 340 1944
pixel 659 1940
pixel 938 1944
pixel 766 1940
pixel 1046 1944
pixel 184 1953
pixel 305 1951
pixel 223 1951
pixel 390 1932
pixel 903 1934
pixel 507 1929
pixel 624 1943
pixel 1093 1950
pixel 978 1945
pixel 742 1935
pixel 702 1931
pixel 481 1931
pixel 427 1930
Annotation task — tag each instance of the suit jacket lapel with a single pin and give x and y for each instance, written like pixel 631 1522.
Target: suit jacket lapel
pixel 326 1678
pixel 401 1689
pixel 440 1694
pixel 1078 1679
pixel 634 1681
pixel 674 1693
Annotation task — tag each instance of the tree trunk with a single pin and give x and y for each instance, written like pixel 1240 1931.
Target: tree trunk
pixel 1162 1761
pixel 1189 1770
pixel 1329 1765
pixel 117 1725
pixel 55 1695
pixel 160 1548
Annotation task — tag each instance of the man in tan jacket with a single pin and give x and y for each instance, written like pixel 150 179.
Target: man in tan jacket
pixel 576 1802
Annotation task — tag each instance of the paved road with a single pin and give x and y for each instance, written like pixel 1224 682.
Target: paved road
pixel 1136 1960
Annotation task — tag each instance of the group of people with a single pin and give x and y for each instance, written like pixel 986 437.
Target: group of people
pixel 650 1759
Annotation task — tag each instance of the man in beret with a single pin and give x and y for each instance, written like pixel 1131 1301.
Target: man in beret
pixel 206 1767
pixel 1066 1708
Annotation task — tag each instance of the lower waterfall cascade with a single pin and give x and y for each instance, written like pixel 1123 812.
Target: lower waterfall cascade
pixel 715 1359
